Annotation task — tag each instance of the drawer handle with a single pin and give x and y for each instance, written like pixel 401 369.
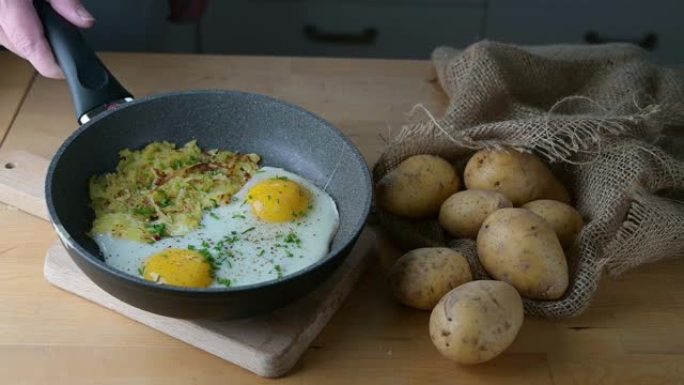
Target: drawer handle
pixel 366 36
pixel 648 42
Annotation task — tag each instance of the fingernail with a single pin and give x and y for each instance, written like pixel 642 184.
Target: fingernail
pixel 59 74
pixel 84 14
pixel 52 73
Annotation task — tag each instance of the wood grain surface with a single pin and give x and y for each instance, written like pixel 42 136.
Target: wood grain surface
pixel 22 181
pixel 632 334
pixel 15 79
pixel 364 98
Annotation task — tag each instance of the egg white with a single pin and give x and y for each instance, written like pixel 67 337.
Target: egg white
pixel 258 251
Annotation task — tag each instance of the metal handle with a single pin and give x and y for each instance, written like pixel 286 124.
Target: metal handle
pixel 366 36
pixel 93 88
pixel 648 42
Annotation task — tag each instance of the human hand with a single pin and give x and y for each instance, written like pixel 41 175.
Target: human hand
pixel 22 33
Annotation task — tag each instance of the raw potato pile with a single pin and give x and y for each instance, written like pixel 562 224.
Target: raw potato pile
pixel 520 216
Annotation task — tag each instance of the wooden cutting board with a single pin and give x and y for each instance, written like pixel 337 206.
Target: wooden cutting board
pixel 268 345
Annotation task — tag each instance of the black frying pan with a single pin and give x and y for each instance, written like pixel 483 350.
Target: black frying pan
pixel 284 135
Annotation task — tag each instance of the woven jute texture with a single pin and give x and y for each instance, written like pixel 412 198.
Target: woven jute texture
pixel 597 115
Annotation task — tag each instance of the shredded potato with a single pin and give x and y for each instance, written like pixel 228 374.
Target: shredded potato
pixel 162 190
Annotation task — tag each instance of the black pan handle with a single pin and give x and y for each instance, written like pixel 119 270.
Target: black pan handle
pixel 93 88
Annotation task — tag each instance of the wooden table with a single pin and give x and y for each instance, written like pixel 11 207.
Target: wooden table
pixel 633 332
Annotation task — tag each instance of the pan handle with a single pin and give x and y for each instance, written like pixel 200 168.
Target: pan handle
pixel 93 88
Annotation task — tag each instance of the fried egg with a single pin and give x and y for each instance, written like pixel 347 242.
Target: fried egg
pixel 277 224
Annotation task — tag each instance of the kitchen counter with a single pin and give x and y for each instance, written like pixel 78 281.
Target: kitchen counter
pixel 14 84
pixel 632 333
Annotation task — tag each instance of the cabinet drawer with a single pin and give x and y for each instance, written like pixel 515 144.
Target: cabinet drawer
pixel 335 28
pixel 654 24
pixel 137 26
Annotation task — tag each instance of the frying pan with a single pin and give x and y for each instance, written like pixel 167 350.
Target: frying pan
pixel 284 135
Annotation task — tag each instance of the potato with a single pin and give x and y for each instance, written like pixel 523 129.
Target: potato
pixel 417 187
pixel 557 192
pixel 421 277
pixel 564 219
pixel 462 214
pixel 519 247
pixel 476 321
pixel 519 176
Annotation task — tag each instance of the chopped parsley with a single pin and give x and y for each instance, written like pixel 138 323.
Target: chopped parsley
pixel 279 270
pixel 239 216
pixel 216 254
pixel 261 252
pixel 299 214
pixel 164 200
pixel 224 281
pixel 145 211
pixel 176 164
pixel 232 238
pixel 293 238
pixel 213 215
pixel 224 259
pixel 158 230
pixel 207 255
pixel 214 263
pixel 248 230
pixel 141 270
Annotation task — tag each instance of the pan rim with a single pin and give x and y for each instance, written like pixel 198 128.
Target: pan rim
pixel 66 238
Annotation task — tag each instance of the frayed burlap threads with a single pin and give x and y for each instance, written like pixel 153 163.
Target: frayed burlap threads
pixel 595 111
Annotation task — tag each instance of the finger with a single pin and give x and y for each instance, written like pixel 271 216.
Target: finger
pixel 4 41
pixel 24 33
pixel 74 12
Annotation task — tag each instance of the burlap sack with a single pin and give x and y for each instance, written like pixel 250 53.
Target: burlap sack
pixel 596 114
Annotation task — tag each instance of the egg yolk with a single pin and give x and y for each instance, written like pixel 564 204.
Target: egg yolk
pixel 278 200
pixel 178 267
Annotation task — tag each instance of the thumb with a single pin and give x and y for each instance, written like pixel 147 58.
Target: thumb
pixel 74 12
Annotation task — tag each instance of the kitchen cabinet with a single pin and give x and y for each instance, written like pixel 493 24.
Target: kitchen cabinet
pixel 137 26
pixel 373 28
pixel 654 24
pixel 385 28
pixel 337 28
